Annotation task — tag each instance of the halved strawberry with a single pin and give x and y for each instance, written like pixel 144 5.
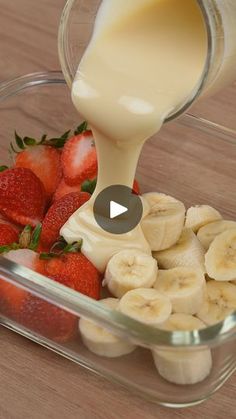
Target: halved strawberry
pixel 45 162
pixel 79 159
pixel 59 213
pixel 22 196
pixel 8 234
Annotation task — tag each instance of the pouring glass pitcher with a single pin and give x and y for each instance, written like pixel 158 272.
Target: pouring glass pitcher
pixel 76 29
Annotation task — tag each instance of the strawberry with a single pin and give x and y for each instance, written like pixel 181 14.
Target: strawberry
pixel 79 158
pixel 72 270
pixel 47 319
pixel 59 213
pixel 5 220
pixel 77 272
pixel 45 162
pixel 27 258
pixel 22 196
pixel 8 234
pixel 64 189
pixel 33 312
pixel 136 187
pixel 12 297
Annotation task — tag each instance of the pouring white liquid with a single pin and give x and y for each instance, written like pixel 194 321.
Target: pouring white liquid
pixel 145 58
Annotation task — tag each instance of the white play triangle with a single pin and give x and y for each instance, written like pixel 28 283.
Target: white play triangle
pixel 116 209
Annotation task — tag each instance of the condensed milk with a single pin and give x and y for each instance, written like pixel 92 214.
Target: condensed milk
pixel 144 59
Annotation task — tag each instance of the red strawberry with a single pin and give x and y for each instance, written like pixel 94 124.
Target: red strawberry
pixel 45 162
pixel 79 158
pixel 136 187
pixel 22 196
pixel 72 270
pixel 64 189
pixel 8 234
pixel 5 220
pixel 77 272
pixel 59 213
pixel 12 297
pixel 47 319
pixel 32 312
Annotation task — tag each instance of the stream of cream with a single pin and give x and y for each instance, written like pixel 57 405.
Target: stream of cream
pixel 144 60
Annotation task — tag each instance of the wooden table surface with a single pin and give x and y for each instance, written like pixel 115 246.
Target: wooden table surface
pixel 35 383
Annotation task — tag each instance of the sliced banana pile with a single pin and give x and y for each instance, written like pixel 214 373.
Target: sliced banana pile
pixel 188 283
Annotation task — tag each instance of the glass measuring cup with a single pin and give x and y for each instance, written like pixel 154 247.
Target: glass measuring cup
pixel 76 28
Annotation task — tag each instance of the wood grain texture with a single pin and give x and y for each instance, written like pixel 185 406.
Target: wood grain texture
pixel 35 383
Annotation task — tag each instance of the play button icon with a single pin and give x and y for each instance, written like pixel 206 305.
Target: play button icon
pixel 117 209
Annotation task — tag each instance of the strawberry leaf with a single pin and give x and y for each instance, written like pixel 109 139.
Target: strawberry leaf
pixel 35 237
pixel 65 136
pixel 56 142
pixel 47 256
pixel 22 144
pixel 3 168
pixel 81 128
pixel 58 246
pixel 5 249
pixel 44 137
pixel 8 248
pixel 89 186
pixel 74 247
pixel 29 141
pixel 19 141
pixel 62 247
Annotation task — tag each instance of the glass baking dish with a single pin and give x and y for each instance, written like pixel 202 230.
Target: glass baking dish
pixel 191 159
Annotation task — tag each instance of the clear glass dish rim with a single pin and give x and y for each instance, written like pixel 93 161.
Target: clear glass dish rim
pixel 81 305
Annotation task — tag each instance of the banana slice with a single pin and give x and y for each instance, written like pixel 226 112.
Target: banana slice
pixel 183 366
pixel 208 233
pixel 220 259
pixel 148 306
pixel 146 206
pixel 184 286
pixel 201 215
pixel 99 340
pixel 130 269
pixel 163 225
pixel 220 302
pixel 187 252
